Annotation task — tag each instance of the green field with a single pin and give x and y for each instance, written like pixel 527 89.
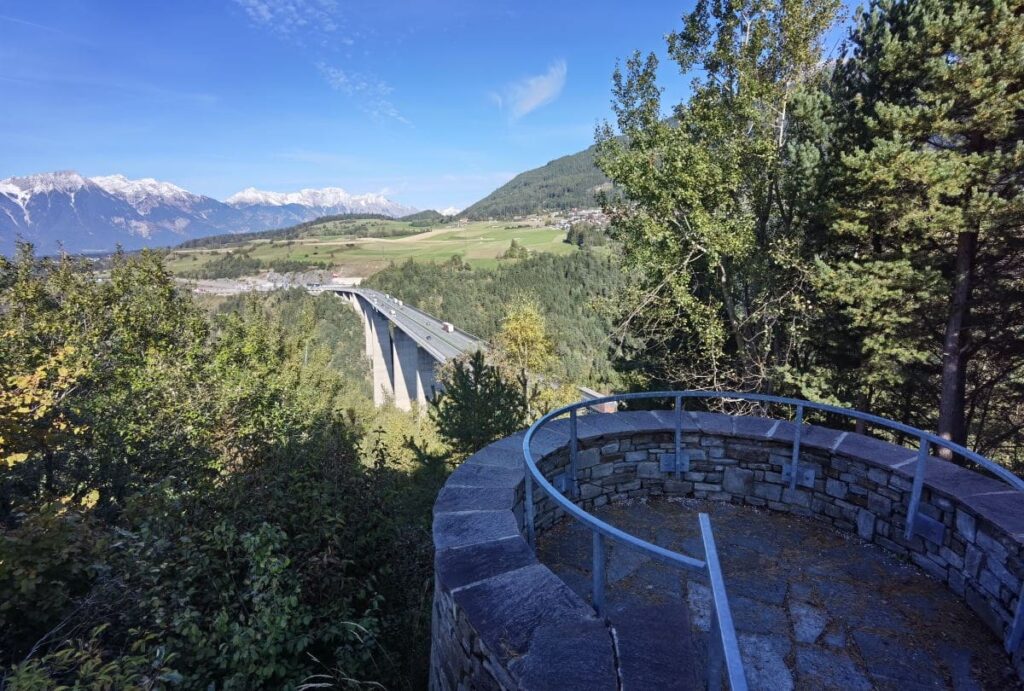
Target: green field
pixel 479 244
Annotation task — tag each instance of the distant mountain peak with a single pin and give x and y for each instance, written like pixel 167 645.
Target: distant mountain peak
pixel 142 188
pixel 326 197
pixel 66 181
pixel 63 208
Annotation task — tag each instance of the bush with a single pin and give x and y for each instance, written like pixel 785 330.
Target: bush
pixel 48 562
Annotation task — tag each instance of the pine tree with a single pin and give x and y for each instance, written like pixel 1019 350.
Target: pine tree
pixel 478 405
pixel 930 198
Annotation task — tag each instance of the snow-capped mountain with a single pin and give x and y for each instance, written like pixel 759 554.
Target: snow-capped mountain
pixel 65 209
pixel 276 209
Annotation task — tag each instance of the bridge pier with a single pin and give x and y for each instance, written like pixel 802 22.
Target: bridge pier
pixel 426 380
pixel 402 363
pixel 405 355
pixel 381 360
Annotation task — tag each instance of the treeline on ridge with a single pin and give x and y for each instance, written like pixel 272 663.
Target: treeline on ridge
pixel 565 183
pixel 289 233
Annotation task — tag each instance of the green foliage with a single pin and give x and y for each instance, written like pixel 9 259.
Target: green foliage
pixel 236 264
pixel 478 406
pixel 48 564
pixel 427 218
pixel 565 183
pixel 309 228
pixel 515 251
pixel 928 206
pixel 197 505
pixel 575 294
pixel 85 664
pixel 586 235
pixel 708 216
pixel 848 232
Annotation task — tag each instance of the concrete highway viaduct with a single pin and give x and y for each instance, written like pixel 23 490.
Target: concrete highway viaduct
pixel 404 345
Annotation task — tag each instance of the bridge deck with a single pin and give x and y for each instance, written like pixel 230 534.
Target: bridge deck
pixel 426 330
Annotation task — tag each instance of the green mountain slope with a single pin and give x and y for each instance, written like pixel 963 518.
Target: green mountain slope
pixel 567 182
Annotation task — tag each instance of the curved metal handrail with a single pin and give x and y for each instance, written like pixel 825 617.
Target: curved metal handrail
pixel 728 645
pixel 1003 473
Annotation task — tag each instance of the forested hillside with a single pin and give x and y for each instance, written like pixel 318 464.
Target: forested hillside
pixel 574 293
pixel 565 183
pixel 427 217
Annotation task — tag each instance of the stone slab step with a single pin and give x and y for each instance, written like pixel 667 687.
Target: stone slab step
pixel 655 648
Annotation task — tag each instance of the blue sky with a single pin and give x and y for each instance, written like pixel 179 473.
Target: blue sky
pixel 435 103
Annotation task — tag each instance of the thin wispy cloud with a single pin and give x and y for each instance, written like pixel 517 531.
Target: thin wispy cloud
pixel 527 95
pixel 369 93
pixel 294 19
pixel 316 26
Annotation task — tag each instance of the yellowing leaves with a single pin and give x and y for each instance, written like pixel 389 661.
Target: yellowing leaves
pixel 30 406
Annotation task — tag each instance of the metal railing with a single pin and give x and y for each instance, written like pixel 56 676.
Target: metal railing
pixel 724 649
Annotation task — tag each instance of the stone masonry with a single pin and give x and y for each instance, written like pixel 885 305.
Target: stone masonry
pixel 502 620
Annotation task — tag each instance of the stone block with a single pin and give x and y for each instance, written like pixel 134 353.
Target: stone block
pixel 471 527
pixel 474 499
pixel 951 558
pixel 865 524
pixel 966 525
pixel 879 505
pixel 635 456
pixel 990 545
pixel 507 609
pixel 796 496
pixel 929 566
pixel 588 458
pixel 767 491
pixel 648 470
pixel 984 609
pixel 462 566
pixel 601 471
pixel 474 475
pixel 738 481
pixel 835 488
pixel 574 656
pixel 654 646
pixel 677 486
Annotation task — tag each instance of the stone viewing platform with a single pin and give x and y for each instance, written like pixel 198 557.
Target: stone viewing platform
pixel 814 608
pixel 825 588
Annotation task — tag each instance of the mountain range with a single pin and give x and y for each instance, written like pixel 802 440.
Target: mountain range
pixel 65 209
pixel 559 185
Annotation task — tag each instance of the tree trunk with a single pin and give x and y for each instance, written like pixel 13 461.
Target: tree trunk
pixel 954 348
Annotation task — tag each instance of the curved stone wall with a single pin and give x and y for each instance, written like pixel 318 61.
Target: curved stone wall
pixel 502 620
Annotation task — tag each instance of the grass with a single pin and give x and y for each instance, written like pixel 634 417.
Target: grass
pixel 479 244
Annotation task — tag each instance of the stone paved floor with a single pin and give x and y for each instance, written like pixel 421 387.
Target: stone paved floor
pixel 813 608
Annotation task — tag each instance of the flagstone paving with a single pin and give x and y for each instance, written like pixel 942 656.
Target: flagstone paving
pixel 813 608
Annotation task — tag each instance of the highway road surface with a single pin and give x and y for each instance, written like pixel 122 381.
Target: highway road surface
pixel 424 328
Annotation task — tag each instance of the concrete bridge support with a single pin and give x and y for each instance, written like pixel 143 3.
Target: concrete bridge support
pixel 402 370
pixel 405 355
pixel 426 381
pixel 381 360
